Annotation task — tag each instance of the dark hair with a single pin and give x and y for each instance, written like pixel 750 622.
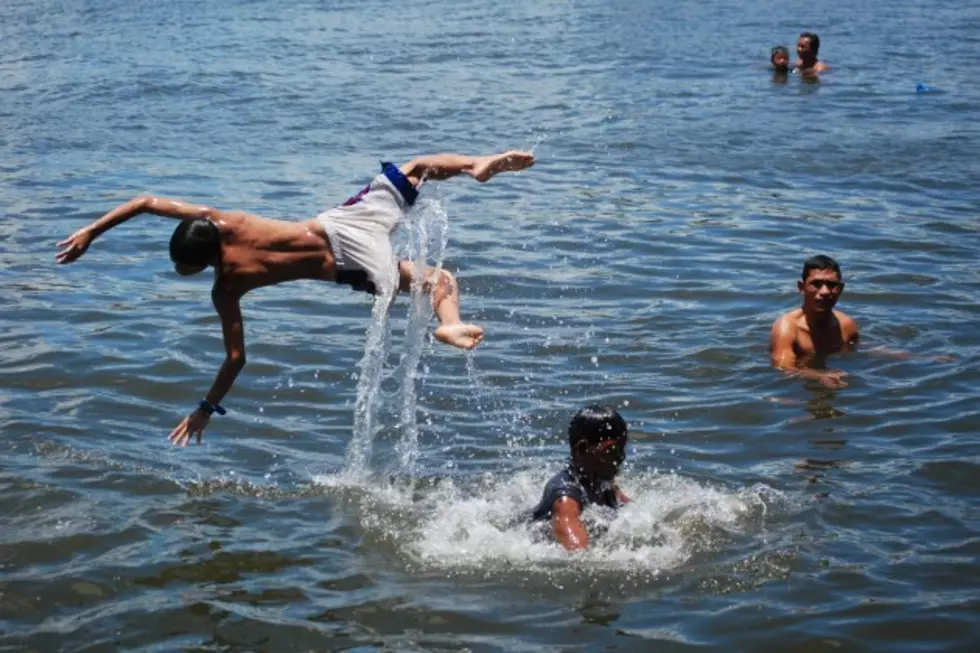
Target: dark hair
pixel 814 41
pixel 595 424
pixel 820 262
pixel 779 49
pixel 195 242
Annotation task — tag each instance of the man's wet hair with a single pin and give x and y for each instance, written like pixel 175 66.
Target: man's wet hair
pixel 195 242
pixel 779 49
pixel 820 262
pixel 814 41
pixel 595 424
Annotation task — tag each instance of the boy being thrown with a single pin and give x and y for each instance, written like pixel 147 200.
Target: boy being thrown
pixel 350 244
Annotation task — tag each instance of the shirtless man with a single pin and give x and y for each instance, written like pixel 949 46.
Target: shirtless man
pixel 807 49
pixel 802 339
pixel 350 244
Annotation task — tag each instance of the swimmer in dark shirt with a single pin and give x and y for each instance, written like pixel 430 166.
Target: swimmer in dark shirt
pixel 597 439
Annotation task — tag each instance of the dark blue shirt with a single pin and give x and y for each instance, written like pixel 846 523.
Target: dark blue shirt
pixel 570 483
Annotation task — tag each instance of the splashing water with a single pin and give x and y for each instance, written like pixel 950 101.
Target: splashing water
pixel 371 368
pixel 481 525
pixel 509 424
pixel 428 237
pixel 427 241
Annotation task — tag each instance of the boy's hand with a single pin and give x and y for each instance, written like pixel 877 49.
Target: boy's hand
pixel 193 424
pixel 75 245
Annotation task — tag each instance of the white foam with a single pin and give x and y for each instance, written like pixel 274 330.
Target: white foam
pixel 477 523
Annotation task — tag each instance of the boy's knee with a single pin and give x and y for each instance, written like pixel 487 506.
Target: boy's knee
pixel 445 284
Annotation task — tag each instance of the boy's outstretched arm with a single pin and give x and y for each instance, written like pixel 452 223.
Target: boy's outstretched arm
pixel 230 312
pixel 76 244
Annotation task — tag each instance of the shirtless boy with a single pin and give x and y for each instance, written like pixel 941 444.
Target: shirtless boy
pixel 350 244
pixel 802 339
pixel 779 59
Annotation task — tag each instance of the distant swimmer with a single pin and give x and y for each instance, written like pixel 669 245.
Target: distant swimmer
pixel 349 244
pixel 802 339
pixel 779 58
pixel 597 438
pixel 807 49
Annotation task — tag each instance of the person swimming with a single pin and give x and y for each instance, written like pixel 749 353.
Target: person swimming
pixel 808 49
pixel 801 340
pixel 779 59
pixel 597 439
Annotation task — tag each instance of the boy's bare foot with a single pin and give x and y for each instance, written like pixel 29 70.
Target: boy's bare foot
pixel 487 166
pixel 464 336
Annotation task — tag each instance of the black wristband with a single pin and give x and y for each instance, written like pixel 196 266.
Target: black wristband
pixel 210 408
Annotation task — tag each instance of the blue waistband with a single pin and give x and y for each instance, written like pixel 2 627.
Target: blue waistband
pixel 401 182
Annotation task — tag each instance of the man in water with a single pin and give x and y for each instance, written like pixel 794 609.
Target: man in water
pixel 807 48
pixel 802 339
pixel 597 439
pixel 350 244
pixel 779 58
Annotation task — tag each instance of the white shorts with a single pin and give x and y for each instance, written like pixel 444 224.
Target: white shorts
pixel 360 232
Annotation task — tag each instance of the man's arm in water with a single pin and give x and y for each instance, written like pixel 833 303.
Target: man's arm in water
pixel 566 524
pixel 783 355
pixel 850 334
pixel 230 312
pixel 76 244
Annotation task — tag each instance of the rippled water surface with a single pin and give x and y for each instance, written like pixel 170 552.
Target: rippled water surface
pixel 640 264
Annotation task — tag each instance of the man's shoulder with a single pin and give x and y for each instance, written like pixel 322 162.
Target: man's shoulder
pixel 787 322
pixel 237 225
pixel 847 324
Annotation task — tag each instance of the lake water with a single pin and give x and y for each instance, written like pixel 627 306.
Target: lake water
pixel 640 264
